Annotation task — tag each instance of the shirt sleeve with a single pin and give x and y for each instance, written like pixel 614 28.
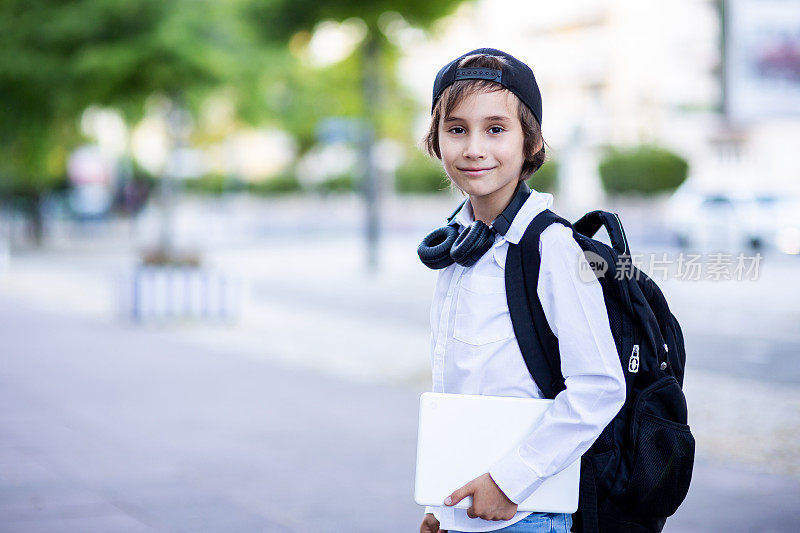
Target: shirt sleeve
pixel 595 386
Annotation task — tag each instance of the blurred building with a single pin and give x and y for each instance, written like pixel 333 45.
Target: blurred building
pixel 624 72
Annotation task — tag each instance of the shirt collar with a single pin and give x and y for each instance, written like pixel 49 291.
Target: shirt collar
pixel 535 204
pixel 465 216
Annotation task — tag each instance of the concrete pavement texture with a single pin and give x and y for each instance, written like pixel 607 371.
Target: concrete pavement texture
pixel 109 429
pixel 184 426
pixel 743 370
pixel 106 428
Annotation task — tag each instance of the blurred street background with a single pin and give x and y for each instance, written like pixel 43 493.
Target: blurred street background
pixel 212 316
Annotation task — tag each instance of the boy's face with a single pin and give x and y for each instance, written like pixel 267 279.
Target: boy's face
pixel 481 144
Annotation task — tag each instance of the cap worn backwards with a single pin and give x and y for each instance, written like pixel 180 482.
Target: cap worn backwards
pixel 515 76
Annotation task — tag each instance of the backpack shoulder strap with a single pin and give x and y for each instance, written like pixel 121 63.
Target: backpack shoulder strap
pixel 539 346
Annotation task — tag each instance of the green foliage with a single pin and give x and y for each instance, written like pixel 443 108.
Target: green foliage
pixel 219 184
pixel 279 20
pixel 300 96
pixel 340 183
pixel 644 169
pixel 32 190
pixel 57 58
pixel 545 179
pixel 281 184
pixel 69 55
pixel 361 85
pixel 420 174
pixel 213 184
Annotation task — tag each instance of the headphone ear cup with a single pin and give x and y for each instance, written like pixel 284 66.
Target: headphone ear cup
pixel 472 244
pixel 434 250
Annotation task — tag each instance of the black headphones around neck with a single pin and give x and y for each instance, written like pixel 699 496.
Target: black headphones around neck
pixel 443 246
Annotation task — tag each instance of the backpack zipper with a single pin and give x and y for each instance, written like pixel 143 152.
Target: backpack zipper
pixel 633 362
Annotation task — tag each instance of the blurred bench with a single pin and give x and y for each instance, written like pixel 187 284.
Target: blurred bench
pixel 167 292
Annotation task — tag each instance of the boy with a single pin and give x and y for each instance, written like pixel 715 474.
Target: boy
pixel 486 130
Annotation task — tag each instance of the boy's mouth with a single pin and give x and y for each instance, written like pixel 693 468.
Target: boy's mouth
pixel 476 171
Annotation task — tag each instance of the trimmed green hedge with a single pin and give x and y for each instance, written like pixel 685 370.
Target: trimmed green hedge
pixel 218 184
pixel 420 174
pixel 214 184
pixel 281 184
pixel 643 169
pixel 340 183
pixel 544 179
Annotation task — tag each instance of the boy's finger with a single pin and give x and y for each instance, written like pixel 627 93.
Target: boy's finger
pixel 459 495
pixel 471 512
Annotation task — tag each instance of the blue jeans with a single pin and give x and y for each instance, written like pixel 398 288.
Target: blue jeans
pixel 538 523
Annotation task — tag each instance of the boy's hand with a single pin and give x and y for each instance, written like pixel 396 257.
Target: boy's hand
pixel 488 501
pixel 430 525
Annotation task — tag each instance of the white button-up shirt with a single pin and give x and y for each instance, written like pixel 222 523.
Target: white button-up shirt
pixel 474 351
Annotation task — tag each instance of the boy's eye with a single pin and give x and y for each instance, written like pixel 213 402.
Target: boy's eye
pixel 496 129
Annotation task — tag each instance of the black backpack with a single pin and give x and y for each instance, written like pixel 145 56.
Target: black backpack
pixel 637 472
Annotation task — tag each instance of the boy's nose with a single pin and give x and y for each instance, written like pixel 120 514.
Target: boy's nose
pixel 474 148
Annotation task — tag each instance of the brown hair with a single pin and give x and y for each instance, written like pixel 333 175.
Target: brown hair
pixel 455 93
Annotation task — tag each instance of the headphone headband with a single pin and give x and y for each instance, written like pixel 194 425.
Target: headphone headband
pixel 446 245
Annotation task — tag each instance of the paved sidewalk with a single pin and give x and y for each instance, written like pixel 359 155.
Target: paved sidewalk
pixel 304 294
pixel 107 427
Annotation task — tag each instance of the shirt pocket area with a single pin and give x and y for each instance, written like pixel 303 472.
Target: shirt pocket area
pixel 482 315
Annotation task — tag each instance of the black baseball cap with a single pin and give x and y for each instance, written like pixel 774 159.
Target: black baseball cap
pixel 515 76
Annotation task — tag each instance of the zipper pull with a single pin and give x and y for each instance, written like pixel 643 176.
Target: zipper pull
pixel 633 363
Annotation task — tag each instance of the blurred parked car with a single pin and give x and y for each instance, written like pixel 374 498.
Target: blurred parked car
pixel 733 220
pixel 90 201
pixel 781 60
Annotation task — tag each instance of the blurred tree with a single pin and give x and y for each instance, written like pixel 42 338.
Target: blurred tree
pixel 283 19
pixel 421 173
pixel 57 58
pixel 359 84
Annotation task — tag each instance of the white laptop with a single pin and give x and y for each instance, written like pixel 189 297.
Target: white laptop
pixel 461 436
